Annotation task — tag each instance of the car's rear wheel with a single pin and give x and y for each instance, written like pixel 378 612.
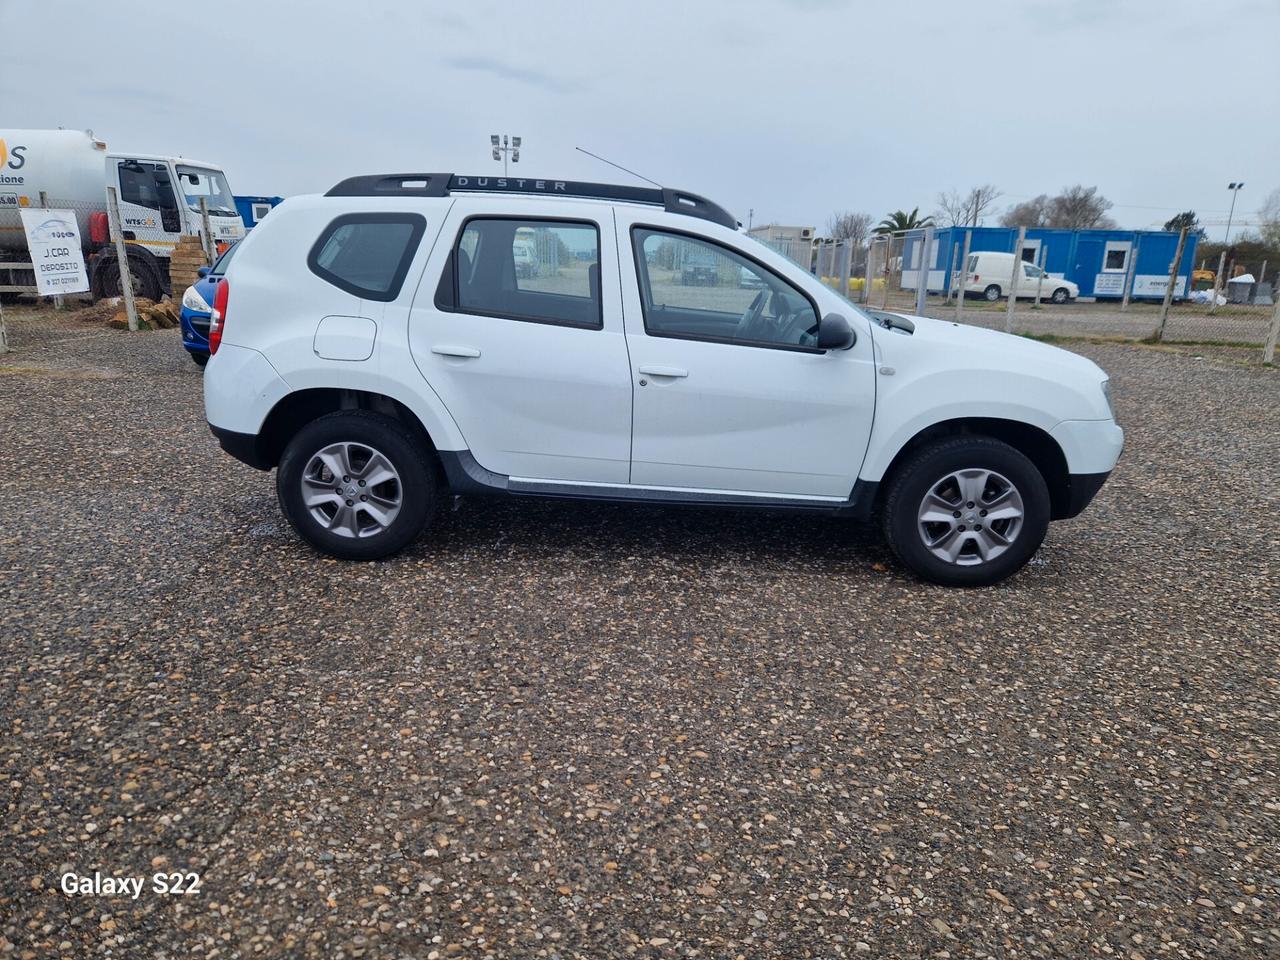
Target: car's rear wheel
pixel 992 293
pixel 1060 295
pixel 200 358
pixel 357 485
pixel 969 511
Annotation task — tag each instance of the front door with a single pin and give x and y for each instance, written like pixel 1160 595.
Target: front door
pixel 731 392
pixel 149 212
pixel 520 335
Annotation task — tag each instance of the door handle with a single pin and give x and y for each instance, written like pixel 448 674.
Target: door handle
pixel 453 350
pixel 658 370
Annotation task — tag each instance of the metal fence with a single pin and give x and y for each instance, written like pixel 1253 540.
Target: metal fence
pixel 909 272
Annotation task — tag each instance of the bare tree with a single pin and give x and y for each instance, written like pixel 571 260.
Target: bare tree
pixel 1028 213
pixel 1080 208
pixel 1075 208
pixel 965 210
pixel 845 225
pixel 1269 219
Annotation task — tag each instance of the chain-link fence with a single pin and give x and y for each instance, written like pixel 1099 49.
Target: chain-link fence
pixel 1139 286
pixel 160 259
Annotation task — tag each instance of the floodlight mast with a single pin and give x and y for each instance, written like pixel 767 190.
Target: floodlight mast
pixel 1235 189
pixel 509 147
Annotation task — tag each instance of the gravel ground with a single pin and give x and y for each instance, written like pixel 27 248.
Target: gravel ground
pixel 581 732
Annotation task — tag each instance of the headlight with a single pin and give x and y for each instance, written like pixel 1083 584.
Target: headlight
pixel 1106 392
pixel 193 301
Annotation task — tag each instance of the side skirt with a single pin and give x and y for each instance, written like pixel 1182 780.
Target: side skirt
pixel 467 477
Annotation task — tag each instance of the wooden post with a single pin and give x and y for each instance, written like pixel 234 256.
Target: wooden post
pixel 866 272
pixel 1129 274
pixel 953 275
pixel 4 334
pixel 1169 287
pixel 964 274
pixel 208 234
pixel 922 275
pixel 1217 281
pixel 1013 282
pixel 1044 258
pixel 44 205
pixel 122 257
pixel 846 265
pixel 888 260
pixel 1268 352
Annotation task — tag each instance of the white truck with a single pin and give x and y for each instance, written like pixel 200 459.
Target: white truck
pixel 159 202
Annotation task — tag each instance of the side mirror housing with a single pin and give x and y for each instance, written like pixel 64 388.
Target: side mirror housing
pixel 203 272
pixel 834 333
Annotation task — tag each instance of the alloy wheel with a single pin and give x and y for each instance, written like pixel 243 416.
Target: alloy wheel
pixel 970 516
pixel 352 490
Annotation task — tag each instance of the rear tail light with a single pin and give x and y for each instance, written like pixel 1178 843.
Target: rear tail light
pixel 218 318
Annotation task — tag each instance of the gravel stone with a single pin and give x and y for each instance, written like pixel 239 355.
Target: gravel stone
pixel 585 731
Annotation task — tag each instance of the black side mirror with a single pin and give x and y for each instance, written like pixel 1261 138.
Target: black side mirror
pixel 203 272
pixel 834 333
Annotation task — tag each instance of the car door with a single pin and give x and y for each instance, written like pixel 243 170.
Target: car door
pixel 731 392
pixel 519 331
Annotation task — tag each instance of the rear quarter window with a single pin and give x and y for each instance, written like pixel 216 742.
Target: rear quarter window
pixel 367 254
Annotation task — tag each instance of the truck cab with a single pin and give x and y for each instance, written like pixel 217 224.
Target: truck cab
pixel 160 200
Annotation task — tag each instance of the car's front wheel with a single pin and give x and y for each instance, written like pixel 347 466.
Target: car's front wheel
pixel 992 293
pixel 356 485
pixel 968 511
pixel 1060 295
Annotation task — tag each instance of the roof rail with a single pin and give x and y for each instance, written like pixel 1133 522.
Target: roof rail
pixel 444 184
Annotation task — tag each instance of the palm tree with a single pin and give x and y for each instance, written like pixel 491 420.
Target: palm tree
pixel 898 221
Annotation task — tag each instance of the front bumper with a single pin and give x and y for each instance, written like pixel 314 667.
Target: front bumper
pixel 195 330
pixel 1083 487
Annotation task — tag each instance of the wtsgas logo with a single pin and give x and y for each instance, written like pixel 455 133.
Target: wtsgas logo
pixel 139 221
pixel 12 159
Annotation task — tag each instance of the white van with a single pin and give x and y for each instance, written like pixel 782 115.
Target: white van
pixel 988 275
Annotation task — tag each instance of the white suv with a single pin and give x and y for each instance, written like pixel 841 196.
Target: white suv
pixel 391 343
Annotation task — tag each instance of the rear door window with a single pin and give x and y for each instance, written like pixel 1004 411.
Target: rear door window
pixel 368 254
pixel 541 271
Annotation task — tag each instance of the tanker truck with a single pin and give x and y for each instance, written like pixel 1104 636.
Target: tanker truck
pixel 159 202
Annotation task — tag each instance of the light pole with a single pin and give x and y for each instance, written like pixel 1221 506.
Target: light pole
pixel 1235 188
pixel 510 146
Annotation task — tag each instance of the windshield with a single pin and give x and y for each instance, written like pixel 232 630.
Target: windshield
pixel 1032 269
pixel 197 182
pixel 224 261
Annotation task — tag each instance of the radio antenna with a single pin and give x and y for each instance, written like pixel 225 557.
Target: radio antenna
pixel 619 166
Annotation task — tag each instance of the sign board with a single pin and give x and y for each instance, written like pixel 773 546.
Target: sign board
pixel 1153 285
pixel 53 237
pixel 1108 285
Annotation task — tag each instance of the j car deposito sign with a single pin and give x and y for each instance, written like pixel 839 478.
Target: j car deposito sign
pixel 54 241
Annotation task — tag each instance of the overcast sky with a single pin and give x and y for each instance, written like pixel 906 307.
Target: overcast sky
pixel 792 108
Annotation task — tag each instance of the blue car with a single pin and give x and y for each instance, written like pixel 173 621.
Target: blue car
pixel 197 305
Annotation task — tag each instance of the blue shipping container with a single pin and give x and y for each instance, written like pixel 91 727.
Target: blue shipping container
pixel 1096 260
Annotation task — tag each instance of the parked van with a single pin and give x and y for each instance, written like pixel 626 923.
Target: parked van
pixel 988 274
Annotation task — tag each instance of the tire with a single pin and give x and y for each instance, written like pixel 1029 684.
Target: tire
pixel 937 472
pixel 992 293
pixel 200 358
pixel 1060 295
pixel 346 439
pixel 145 282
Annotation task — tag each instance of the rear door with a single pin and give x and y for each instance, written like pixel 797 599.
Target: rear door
pixel 518 329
